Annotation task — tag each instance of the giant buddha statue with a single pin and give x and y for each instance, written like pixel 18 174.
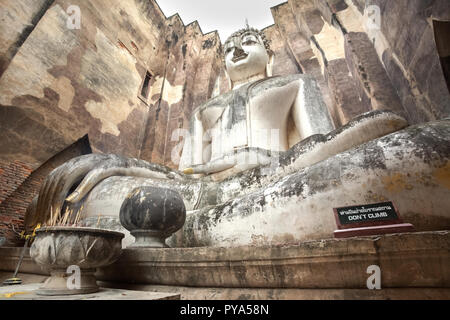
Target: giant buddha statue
pixel 264 164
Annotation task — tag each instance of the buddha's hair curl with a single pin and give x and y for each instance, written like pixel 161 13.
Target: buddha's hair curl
pixel 255 31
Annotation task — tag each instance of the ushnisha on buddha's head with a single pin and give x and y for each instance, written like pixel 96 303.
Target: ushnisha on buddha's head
pixel 247 54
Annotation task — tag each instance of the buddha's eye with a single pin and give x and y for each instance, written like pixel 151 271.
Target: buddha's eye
pixel 248 42
pixel 228 50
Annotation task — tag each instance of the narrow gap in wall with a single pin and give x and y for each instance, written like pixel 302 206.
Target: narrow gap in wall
pixel 442 39
pixel 145 89
pixel 337 23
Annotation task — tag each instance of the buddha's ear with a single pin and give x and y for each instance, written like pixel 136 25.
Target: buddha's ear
pixel 228 79
pixel 269 66
pixel 227 76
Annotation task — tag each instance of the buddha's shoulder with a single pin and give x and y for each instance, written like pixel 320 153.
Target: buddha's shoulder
pixel 218 101
pixel 255 87
pixel 280 82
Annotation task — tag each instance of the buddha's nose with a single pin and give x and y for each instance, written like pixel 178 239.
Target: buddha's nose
pixel 238 50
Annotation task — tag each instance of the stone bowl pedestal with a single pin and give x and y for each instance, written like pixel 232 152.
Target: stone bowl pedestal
pixel 67 250
pixel 152 214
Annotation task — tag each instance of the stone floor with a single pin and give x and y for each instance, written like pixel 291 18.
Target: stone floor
pixel 26 292
pixel 142 292
pixel 414 266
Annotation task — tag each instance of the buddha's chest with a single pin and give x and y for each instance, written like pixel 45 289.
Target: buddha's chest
pixel 251 103
pixel 249 113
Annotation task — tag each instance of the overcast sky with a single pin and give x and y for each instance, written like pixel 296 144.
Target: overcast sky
pixel 225 16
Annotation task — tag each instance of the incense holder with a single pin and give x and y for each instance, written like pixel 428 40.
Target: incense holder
pixel 72 255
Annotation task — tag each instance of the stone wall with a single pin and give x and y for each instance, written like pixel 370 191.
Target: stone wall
pixel 65 83
pixel 12 175
pixel 405 45
pixel 363 66
pixel 18 18
pixel 191 70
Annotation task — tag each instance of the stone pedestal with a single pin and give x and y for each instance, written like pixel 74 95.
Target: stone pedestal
pixel 56 284
pixel 149 239
pixel 406 260
pixel 413 266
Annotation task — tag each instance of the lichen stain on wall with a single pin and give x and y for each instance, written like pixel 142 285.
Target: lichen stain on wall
pixel 171 94
pixel 331 42
pixel 395 182
pixel 112 77
pixel 27 73
pixel 66 92
pixel 442 175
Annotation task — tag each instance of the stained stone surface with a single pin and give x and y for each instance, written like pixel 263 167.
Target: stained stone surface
pixel 297 205
pixel 28 292
pixel 190 293
pixel 68 83
pixel 80 72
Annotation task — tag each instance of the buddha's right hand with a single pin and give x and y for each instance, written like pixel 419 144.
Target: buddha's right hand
pixel 240 161
pixel 90 169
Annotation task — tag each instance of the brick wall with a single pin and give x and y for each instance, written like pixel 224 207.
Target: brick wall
pixel 12 175
pixel 19 185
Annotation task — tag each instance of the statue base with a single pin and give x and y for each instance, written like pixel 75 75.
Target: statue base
pixel 412 266
pixel 375 230
pixel 407 260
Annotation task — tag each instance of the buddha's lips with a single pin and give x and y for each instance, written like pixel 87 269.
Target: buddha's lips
pixel 239 57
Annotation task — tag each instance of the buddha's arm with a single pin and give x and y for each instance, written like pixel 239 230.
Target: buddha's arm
pixel 197 132
pixel 309 111
pixel 197 151
pixel 193 144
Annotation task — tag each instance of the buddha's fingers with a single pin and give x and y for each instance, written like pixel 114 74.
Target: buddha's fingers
pixel 43 207
pixel 215 166
pixel 60 180
pixel 92 179
pixel 99 174
pixel 55 188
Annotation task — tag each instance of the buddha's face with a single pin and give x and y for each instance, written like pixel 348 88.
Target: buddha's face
pixel 245 56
